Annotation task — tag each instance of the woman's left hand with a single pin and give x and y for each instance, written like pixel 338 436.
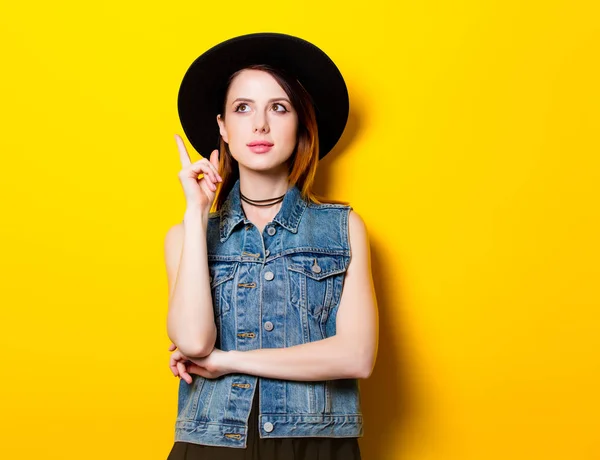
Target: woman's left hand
pixel 210 367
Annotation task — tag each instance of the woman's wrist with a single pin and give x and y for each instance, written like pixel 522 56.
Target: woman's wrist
pixel 231 358
pixel 194 216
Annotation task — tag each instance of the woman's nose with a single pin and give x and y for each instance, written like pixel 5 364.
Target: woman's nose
pixel 260 124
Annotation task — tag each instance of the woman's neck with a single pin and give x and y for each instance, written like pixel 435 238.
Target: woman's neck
pixel 262 186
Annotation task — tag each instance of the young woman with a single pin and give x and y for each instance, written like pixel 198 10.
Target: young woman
pixel 272 312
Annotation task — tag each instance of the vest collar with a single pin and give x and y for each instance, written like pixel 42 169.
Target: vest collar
pixel 232 213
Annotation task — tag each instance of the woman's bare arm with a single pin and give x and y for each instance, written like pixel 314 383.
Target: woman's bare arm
pixel 190 320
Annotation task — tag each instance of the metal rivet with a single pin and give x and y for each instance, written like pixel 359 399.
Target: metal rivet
pixel 267 252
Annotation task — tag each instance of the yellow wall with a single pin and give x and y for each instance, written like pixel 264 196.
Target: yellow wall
pixel 472 154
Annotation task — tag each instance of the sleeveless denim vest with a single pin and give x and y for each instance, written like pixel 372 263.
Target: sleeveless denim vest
pixel 272 290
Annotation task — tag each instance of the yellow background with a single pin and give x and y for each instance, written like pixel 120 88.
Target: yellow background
pixel 471 153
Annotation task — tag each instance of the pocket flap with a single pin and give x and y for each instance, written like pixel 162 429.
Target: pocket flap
pixel 318 266
pixel 221 272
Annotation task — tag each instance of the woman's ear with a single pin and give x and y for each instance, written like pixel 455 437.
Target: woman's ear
pixel 222 129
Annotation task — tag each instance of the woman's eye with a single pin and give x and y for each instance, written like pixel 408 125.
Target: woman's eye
pixel 281 107
pixel 237 107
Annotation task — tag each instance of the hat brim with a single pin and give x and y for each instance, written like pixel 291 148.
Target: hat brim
pixel 202 89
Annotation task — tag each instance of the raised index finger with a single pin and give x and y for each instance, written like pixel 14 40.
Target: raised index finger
pixel 184 157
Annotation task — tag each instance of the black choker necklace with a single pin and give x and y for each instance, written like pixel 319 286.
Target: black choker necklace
pixel 267 202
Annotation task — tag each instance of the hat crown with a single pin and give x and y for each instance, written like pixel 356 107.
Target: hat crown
pixel 202 90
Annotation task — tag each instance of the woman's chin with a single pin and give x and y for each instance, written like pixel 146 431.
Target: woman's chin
pixel 264 163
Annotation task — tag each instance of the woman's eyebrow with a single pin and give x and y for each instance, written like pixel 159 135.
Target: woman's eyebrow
pixel 244 99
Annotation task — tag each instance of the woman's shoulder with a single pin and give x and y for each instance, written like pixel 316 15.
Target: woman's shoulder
pixel 174 234
pixel 327 203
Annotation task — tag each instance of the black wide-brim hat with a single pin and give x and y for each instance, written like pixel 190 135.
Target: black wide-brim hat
pixel 202 91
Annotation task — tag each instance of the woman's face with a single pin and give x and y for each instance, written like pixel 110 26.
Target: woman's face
pixel 260 124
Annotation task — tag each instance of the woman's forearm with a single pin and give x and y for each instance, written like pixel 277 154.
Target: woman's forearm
pixel 328 359
pixel 190 321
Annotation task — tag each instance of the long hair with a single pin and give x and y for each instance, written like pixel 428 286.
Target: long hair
pixel 302 164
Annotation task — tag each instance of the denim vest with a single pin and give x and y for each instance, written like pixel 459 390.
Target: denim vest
pixel 272 290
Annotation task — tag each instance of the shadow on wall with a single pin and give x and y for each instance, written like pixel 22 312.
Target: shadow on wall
pixel 386 395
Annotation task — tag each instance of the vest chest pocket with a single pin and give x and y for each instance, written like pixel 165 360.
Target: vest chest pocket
pixel 316 281
pixel 222 276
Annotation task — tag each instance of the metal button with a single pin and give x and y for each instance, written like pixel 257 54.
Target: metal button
pixel 316 269
pixel 267 252
pixel 268 326
pixel 271 231
pixel 268 427
pixel 269 276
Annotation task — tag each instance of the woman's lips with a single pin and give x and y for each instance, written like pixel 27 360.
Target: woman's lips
pixel 260 148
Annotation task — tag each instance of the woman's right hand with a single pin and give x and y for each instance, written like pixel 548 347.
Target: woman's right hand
pixel 199 193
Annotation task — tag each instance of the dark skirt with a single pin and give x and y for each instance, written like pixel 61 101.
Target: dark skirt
pixel 270 448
